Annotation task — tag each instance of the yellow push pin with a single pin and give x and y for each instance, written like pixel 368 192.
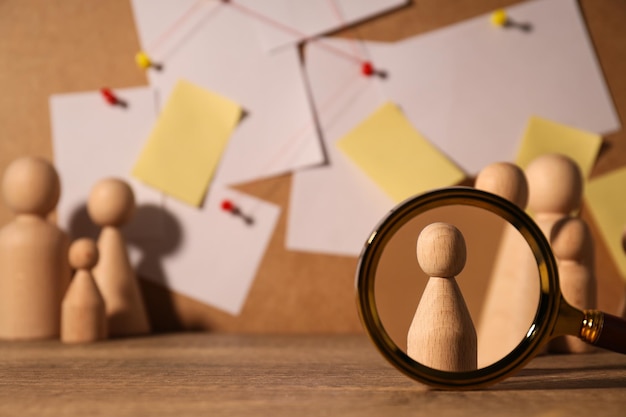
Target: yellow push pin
pixel 143 60
pixel 499 18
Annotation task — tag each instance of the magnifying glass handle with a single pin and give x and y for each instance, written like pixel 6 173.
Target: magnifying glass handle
pixel 604 330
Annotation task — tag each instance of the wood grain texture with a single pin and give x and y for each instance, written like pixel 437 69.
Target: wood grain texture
pixel 59 46
pixel 238 375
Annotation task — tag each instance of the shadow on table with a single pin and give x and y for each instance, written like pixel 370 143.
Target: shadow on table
pixel 591 376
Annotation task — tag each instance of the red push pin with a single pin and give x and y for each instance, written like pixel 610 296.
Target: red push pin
pixel 111 98
pixel 228 206
pixel 367 69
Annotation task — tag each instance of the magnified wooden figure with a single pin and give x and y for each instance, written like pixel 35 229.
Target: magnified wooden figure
pixel 111 204
pixel 442 334
pixel 34 270
pixel 83 314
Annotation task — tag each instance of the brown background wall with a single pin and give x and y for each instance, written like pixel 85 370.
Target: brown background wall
pixel 56 46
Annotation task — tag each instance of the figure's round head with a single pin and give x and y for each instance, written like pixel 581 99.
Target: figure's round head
pixel 506 180
pixel 83 254
pixel 570 239
pixel 555 184
pixel 111 202
pixel 441 250
pixel 31 186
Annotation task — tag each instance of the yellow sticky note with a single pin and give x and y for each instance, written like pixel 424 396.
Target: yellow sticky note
pixel 606 198
pixel 396 156
pixel 544 136
pixel 187 142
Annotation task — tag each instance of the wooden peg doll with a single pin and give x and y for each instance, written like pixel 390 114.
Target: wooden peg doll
pixel 442 335
pixel 111 204
pixel 83 314
pixel 34 270
pixel 513 293
pixel 555 189
pixel 573 249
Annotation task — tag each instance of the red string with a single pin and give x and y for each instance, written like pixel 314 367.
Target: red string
pixel 281 26
pixel 307 127
pixel 261 17
pixel 176 25
pixel 342 22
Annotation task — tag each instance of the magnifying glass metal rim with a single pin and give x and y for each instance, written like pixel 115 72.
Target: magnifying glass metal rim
pixel 538 333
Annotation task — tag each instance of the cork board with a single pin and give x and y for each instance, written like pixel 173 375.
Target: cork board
pixel 49 47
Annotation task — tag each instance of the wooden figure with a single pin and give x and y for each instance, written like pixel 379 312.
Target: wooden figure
pixel 555 188
pixel 573 249
pixel 83 314
pixel 111 204
pixel 442 335
pixel 506 180
pixel 555 194
pixel 34 270
pixel 512 296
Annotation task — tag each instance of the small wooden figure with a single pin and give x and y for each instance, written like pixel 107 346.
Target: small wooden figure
pixel 573 249
pixel 442 335
pixel 555 189
pixel 83 314
pixel 111 204
pixel 34 270
pixel 513 293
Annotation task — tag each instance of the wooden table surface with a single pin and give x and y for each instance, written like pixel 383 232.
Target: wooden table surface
pixel 202 374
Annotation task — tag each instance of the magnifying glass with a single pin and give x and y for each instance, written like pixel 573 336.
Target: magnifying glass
pixel 553 316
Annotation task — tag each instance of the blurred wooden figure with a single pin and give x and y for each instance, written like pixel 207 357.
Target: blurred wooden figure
pixel 111 204
pixel 572 246
pixel 512 296
pixel 442 334
pixel 34 269
pixel 555 189
pixel 555 194
pixel 83 314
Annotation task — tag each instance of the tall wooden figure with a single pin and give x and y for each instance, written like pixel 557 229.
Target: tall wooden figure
pixel 83 314
pixel 111 204
pixel 442 334
pixel 572 246
pixel 513 294
pixel 555 189
pixel 34 270
pixel 555 186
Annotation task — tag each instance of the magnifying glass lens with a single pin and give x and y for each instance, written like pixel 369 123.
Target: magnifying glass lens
pixel 458 288
pixel 494 291
pixel 414 305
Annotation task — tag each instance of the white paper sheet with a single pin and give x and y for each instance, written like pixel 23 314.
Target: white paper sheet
pixel 93 140
pixel 469 88
pixel 216 48
pixel 206 254
pixel 472 87
pixel 282 22
pixel 332 209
